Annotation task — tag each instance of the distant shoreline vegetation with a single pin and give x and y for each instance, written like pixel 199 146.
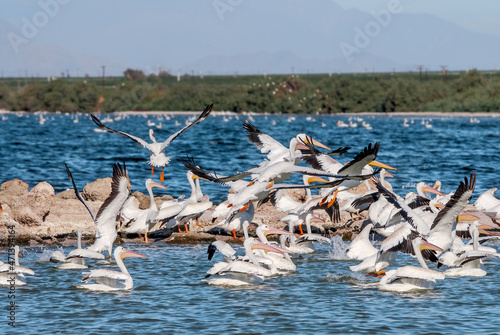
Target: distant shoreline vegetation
pixel 467 91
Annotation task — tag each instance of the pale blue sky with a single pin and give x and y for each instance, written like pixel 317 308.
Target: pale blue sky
pixel 244 36
pixel 481 15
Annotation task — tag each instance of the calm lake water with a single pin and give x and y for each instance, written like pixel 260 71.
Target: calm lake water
pixel 169 296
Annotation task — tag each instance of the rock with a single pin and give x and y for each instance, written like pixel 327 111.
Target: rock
pixel 167 197
pixel 98 190
pixel 38 200
pixel 26 216
pixel 43 188
pixel 15 187
pixel 144 200
pixel 68 194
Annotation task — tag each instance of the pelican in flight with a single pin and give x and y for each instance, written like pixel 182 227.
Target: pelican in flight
pixel 109 280
pixel 144 220
pixel 76 258
pixel 157 149
pixel 13 275
pixel 105 220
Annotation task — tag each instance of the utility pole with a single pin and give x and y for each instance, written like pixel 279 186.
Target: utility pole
pixel 443 67
pixel 420 72
pixel 103 74
pixel 159 78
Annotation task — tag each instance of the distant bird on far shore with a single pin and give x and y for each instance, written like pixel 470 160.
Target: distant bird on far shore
pixel 156 149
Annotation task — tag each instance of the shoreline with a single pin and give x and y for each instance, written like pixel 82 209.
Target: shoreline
pixel 409 114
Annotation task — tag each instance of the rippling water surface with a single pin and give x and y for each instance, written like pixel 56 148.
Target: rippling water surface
pixel 169 296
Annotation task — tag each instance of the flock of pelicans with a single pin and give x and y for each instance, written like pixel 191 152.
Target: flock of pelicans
pixel 432 226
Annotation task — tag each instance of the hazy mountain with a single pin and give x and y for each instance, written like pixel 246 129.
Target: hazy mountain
pixel 243 37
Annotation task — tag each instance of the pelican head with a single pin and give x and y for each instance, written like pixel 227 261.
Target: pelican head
pixel 426 245
pixel 381 165
pixel 268 230
pixel 313 179
pixel 150 183
pixel 122 253
pixel 303 140
pixel 422 188
pixel 256 244
pixel 152 135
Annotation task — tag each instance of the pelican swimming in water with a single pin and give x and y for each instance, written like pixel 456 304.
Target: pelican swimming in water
pixel 105 220
pixel 76 258
pixel 13 275
pixel 410 278
pixel 144 220
pixel 157 149
pixel 242 272
pixel 110 280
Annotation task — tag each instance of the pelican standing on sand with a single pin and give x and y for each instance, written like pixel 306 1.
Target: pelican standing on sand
pixel 156 149
pixel 105 220
pixel 109 280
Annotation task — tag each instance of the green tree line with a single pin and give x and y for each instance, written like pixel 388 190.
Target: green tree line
pixel 471 91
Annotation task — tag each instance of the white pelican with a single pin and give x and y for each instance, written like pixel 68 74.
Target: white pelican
pixel 355 203
pixel 76 258
pixel 356 167
pixel 238 220
pixel 277 152
pixel 442 232
pixel 242 273
pixel 487 202
pixel 105 220
pixel 409 278
pixel 169 209
pixel 282 261
pixel 361 247
pixel 462 260
pixel 145 218
pixel 13 274
pixel 109 280
pixel 156 149
pixel 187 210
pixel 192 211
pixel 299 210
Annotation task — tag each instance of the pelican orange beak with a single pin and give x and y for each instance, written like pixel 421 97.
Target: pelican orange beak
pixel 381 165
pixel 155 184
pixel 127 253
pixel 277 231
pixel 21 254
pixel 429 189
pixel 484 229
pixel 314 142
pixel 315 179
pixel 439 205
pixel 467 217
pixel 429 246
pixel 271 248
pixel 244 208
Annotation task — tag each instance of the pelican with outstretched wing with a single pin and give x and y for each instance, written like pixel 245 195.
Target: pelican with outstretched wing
pixel 105 220
pixel 157 149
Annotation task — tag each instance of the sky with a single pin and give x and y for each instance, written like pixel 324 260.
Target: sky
pixel 47 37
pixel 480 16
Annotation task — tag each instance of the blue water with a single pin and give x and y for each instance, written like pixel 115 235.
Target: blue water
pixel 323 297
pixel 448 151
